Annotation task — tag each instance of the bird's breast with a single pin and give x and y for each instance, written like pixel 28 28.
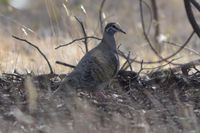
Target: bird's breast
pixel 108 64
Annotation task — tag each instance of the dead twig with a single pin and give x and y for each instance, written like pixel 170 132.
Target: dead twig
pixel 43 55
pixel 128 61
pixel 184 68
pixel 156 18
pixel 190 14
pixel 186 48
pixel 100 15
pixel 152 48
pixel 170 56
pixel 160 66
pixel 84 34
pixel 151 16
pixel 65 64
pixel 141 68
pixel 145 34
pixel 75 40
pixel 123 66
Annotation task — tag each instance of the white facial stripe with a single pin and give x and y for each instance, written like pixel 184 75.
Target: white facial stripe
pixel 111 28
pixel 107 29
pixel 115 29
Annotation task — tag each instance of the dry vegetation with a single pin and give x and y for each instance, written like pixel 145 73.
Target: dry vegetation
pixel 158 100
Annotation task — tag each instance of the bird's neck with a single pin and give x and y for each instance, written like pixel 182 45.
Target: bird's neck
pixel 108 41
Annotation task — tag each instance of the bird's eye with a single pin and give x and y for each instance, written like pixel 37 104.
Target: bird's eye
pixel 114 26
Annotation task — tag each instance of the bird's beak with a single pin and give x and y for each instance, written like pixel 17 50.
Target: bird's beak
pixel 120 30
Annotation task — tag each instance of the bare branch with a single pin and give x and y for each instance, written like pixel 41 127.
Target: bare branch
pixel 186 48
pixel 196 4
pixel 127 61
pixel 43 55
pixel 141 68
pixel 145 34
pixel 84 34
pixel 65 64
pixel 75 40
pixel 152 48
pixel 191 16
pixel 156 18
pixel 170 56
pixel 151 17
pixel 120 53
pixel 100 15
pixel 123 66
pixel 160 66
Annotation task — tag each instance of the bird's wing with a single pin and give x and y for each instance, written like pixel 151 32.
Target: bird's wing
pixel 90 68
pixel 98 66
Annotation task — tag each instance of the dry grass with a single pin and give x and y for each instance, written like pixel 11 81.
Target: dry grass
pixel 17 55
pixel 151 110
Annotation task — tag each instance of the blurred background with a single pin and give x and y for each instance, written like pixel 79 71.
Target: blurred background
pixel 49 23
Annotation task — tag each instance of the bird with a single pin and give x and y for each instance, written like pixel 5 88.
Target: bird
pixel 98 66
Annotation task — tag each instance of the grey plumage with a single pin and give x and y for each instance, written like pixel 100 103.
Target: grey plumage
pixel 98 66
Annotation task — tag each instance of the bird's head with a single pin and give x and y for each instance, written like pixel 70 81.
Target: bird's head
pixel 112 28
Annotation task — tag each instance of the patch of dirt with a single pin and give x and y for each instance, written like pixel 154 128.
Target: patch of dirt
pixel 160 100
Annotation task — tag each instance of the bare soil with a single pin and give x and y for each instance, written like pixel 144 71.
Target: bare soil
pixel 160 100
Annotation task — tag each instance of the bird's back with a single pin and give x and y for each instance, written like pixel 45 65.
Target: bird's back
pixel 97 66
